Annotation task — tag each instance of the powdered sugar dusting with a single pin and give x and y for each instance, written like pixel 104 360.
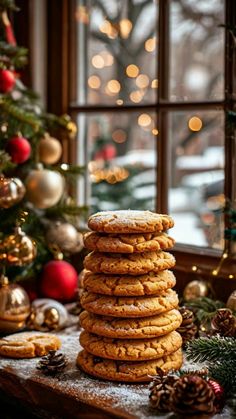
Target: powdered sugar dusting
pixel 125 399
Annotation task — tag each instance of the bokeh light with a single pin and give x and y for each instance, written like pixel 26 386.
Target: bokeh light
pixel 98 61
pixel 94 82
pixel 132 70
pixel 195 123
pixel 150 44
pixel 144 120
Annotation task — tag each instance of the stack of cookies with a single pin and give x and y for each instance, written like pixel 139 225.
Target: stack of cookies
pixel 130 313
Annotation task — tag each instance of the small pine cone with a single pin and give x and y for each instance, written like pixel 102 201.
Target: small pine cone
pixel 53 363
pixel 161 391
pixel 188 328
pixel 224 322
pixel 192 395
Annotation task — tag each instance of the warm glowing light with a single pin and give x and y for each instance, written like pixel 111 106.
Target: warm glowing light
pixel 155 131
pixel 154 84
pixel 113 86
pixel 125 28
pixel 231 276
pixel 195 123
pixel 119 136
pixel 194 268
pixel 107 28
pixel 214 272
pixel 82 15
pixel 98 61
pixel 132 70
pixel 144 120
pixel 108 58
pixel 94 82
pixel 136 96
pixel 119 102
pixel 150 44
pixel 142 81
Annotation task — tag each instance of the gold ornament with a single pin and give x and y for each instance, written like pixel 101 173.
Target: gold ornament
pixel 49 149
pixel 47 314
pixel 65 236
pixel 195 289
pixel 44 188
pixel 231 302
pixel 18 249
pixel 14 306
pixel 72 128
pixel 12 191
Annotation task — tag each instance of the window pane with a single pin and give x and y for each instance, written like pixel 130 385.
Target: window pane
pixel 196 196
pixel 116 51
pixel 121 160
pixel 197 50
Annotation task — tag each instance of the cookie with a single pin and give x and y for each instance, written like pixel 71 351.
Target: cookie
pixel 130 349
pixel 143 327
pixel 131 264
pixel 128 243
pixel 108 369
pixel 129 306
pixel 127 285
pixel 129 221
pixel 28 344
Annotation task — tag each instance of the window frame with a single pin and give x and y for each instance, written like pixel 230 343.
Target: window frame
pixel 208 257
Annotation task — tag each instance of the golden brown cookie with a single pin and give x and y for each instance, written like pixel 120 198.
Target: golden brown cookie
pixel 129 221
pixel 127 285
pixel 127 243
pixel 129 306
pixel 130 264
pixel 125 370
pixel 130 349
pixel 143 327
pixel 28 344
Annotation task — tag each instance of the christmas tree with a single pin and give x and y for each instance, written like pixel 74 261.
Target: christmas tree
pixel 39 218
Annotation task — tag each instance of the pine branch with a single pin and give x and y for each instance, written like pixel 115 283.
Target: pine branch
pixel 61 210
pixel 206 349
pixel 225 373
pixel 20 114
pixel 204 308
pixel 69 169
pixel 12 55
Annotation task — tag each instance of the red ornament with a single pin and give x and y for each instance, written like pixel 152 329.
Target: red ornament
pixel 59 280
pixel 7 81
pixel 19 149
pixel 106 153
pixel 219 394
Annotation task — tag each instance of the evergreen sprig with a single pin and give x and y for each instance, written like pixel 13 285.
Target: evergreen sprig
pixel 61 210
pixel 12 55
pixel 205 349
pixel 205 308
pixel 224 371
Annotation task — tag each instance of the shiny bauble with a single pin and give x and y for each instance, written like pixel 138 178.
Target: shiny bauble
pixel 219 394
pixel 12 191
pixel 44 188
pixel 231 302
pixel 196 289
pixel 59 280
pixel 47 314
pixel 18 249
pixel 65 236
pixel 49 150
pixel 19 149
pixel 7 81
pixel 14 306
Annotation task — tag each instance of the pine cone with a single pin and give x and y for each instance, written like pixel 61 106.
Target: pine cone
pixel 192 395
pixel 224 322
pixel 53 363
pixel 188 328
pixel 161 390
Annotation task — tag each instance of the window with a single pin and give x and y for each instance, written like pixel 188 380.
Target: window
pixel 149 97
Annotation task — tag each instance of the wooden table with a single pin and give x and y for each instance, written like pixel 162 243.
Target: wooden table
pixel 72 394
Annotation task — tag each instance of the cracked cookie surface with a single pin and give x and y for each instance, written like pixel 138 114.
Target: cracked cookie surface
pixel 129 306
pixel 127 285
pixel 130 349
pixel 143 327
pixel 129 221
pixel 127 371
pixel 131 264
pixel 28 344
pixel 128 243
